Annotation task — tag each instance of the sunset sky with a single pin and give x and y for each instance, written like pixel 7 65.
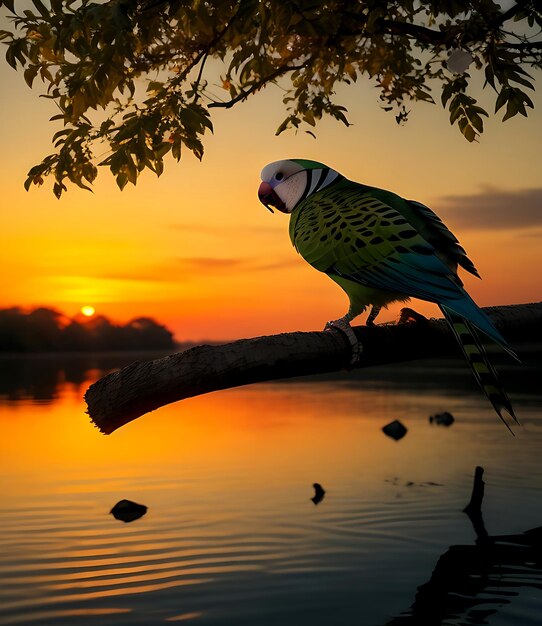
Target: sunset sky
pixel 197 251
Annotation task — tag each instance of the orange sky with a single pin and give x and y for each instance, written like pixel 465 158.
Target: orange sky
pixel 196 250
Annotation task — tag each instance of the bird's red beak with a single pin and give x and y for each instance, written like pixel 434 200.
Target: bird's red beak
pixel 269 198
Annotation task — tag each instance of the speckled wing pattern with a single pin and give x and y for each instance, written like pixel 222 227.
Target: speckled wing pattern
pixel 349 231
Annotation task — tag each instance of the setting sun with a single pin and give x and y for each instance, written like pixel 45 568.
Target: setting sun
pixel 87 310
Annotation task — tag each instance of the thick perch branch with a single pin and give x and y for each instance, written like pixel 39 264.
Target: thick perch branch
pixel 122 396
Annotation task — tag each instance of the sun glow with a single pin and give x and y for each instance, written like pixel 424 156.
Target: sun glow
pixel 87 310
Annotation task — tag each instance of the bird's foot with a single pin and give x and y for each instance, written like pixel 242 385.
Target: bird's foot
pixel 408 316
pixel 373 315
pixel 343 325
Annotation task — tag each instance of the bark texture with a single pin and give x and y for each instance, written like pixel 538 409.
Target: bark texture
pixel 122 396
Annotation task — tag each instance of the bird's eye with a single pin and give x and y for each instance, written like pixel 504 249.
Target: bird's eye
pixel 279 176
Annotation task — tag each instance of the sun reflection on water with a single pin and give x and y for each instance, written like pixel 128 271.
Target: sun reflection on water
pixel 227 479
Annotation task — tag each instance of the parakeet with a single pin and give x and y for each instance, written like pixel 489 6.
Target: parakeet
pixel 381 248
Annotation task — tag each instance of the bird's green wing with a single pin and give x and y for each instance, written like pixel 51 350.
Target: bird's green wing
pixel 430 227
pixel 349 231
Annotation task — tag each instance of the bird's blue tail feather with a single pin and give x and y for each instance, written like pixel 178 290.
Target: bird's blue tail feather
pixel 478 360
pixel 467 308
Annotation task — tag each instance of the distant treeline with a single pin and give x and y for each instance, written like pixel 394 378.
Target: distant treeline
pixel 47 330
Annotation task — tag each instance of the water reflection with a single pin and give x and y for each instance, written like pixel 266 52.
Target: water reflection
pixel 472 582
pixel 39 376
pixel 232 538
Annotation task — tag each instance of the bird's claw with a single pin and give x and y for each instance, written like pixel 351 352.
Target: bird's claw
pixel 344 327
pixel 409 316
pixel 375 310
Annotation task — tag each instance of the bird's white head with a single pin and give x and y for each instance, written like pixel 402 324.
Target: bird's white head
pixel 286 183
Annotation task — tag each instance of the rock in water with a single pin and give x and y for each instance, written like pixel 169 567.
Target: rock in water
pixel 442 419
pixel 319 493
pixel 396 430
pixel 128 511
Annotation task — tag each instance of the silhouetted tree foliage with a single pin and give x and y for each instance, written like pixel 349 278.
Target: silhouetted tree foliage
pixel 92 57
pixel 45 330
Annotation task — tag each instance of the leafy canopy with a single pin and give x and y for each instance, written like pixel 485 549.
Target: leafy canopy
pixel 132 78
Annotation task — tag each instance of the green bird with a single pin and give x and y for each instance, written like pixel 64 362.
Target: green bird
pixel 381 248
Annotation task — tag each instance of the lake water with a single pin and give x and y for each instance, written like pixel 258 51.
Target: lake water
pixel 231 535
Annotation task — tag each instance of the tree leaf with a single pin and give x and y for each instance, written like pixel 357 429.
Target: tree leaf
pixel 30 73
pixel 125 75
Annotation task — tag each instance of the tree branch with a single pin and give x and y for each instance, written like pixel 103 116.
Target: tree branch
pixel 527 45
pixel 420 33
pixel 205 51
pixel 122 396
pixel 197 94
pixel 426 35
pixel 263 81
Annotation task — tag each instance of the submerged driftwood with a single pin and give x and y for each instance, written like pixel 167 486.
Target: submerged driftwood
pixel 122 396
pixel 470 583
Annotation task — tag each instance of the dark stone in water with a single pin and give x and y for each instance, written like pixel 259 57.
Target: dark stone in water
pixel 319 493
pixel 396 430
pixel 128 511
pixel 442 419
